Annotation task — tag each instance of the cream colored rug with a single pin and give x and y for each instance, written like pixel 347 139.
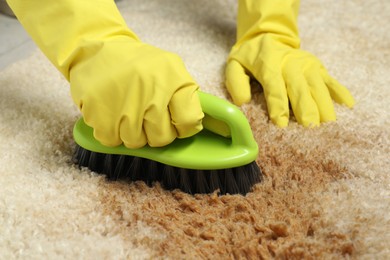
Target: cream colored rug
pixel 326 194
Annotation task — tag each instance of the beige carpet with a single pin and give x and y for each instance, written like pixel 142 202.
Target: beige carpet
pixel 326 194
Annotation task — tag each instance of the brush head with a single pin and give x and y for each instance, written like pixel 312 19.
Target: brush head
pixel 237 180
pixel 220 157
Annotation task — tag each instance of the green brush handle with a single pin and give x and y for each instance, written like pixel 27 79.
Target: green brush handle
pixel 207 150
pixel 225 119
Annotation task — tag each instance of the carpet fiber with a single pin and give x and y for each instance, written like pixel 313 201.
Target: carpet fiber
pixel 326 193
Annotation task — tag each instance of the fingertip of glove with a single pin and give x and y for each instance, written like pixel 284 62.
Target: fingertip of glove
pixel 161 143
pixel 311 124
pixel 188 129
pixel 186 112
pixel 281 122
pixel 238 83
pixel 239 100
pixel 350 103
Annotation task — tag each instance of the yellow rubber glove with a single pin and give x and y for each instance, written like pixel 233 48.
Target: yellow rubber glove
pixel 127 91
pixel 267 49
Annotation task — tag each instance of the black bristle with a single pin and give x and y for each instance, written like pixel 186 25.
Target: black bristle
pixel 170 180
pixel 253 172
pixel 153 172
pixel 109 166
pixel 200 182
pixel 120 168
pixel 214 181
pixel 242 181
pixel 83 157
pixel 135 169
pixel 239 180
pixel 185 182
pixel 96 162
pixel 230 185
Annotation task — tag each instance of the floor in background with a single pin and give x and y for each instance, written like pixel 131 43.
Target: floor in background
pixel 15 44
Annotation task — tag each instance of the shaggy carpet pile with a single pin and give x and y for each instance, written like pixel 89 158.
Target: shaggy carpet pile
pixel 326 192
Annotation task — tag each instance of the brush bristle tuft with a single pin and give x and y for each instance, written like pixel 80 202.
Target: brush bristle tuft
pixel 239 180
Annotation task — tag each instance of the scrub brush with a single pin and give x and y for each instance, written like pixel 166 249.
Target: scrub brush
pixel 220 157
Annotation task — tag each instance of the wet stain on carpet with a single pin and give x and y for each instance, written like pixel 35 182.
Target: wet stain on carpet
pixel 279 219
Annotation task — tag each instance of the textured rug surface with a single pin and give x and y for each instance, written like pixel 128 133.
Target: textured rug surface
pixel 326 193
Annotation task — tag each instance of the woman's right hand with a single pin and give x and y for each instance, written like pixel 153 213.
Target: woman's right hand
pixel 137 94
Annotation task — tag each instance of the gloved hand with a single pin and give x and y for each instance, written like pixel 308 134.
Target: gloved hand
pixel 267 48
pixel 127 91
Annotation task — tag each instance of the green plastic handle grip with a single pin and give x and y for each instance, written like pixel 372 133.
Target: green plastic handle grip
pixel 207 150
pixel 225 119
